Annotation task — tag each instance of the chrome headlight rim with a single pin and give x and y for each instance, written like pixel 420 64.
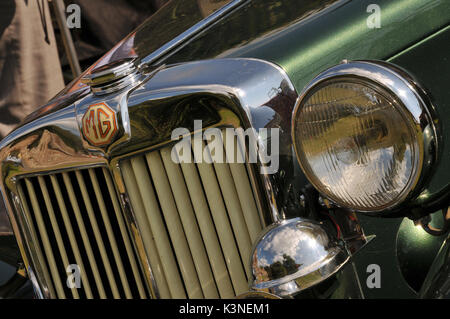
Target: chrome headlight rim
pixel 409 95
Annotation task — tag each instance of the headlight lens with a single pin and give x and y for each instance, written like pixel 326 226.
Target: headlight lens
pixel 357 142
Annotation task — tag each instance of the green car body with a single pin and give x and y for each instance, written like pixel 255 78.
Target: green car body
pixel 306 37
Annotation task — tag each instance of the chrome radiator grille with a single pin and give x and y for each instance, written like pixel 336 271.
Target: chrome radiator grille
pixel 75 218
pixel 197 220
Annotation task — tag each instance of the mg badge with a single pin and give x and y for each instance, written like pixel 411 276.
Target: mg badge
pixel 99 124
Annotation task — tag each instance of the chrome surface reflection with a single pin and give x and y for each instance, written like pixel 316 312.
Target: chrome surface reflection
pixel 242 92
pixel 365 119
pixel 294 255
pixel 437 282
pixel 257 295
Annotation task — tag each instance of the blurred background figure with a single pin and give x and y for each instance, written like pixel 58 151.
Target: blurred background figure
pixel 103 24
pixel 30 71
pixel 33 60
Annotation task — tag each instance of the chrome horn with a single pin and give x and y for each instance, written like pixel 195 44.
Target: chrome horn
pixel 293 255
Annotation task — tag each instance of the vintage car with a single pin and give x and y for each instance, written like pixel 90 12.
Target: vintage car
pixel 249 149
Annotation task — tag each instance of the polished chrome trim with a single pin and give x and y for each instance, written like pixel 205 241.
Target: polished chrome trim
pixel 113 77
pixel 228 120
pixel 78 87
pixel 309 255
pixel 109 72
pixel 189 33
pixel 26 243
pixel 248 87
pixel 53 142
pixel 132 79
pixel 133 227
pixel 30 255
pixel 35 284
pixel 416 106
pixel 257 295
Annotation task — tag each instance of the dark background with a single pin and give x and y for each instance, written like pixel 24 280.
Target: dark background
pixel 103 24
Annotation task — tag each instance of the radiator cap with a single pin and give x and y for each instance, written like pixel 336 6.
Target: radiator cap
pixel 112 77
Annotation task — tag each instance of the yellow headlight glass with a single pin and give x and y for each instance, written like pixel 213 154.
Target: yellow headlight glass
pixel 355 144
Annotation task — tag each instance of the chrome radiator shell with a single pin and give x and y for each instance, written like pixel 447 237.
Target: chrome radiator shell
pixel 221 93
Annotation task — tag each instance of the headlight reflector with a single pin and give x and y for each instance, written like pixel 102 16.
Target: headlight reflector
pixel 358 135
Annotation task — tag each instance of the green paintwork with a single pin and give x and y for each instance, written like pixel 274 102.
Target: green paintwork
pixel 429 62
pixel 382 251
pixel 305 37
pixel 416 250
pixel 437 282
pixel 312 36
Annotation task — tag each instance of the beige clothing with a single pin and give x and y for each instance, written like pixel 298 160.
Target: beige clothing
pixel 30 71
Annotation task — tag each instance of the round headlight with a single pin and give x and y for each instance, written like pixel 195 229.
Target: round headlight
pixel 360 135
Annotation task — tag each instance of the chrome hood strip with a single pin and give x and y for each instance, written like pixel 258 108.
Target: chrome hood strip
pixel 191 32
pixel 259 91
pixel 239 92
pixel 131 47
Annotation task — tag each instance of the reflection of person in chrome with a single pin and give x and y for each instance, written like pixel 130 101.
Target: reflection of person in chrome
pixel 30 72
pixel 208 7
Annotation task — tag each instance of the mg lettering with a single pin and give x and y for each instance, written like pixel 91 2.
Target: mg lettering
pixel 99 124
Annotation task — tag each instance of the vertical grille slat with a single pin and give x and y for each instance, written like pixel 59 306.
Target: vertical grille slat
pixel 45 240
pixel 56 230
pixel 188 220
pixel 77 219
pixel 146 233
pixel 158 228
pixel 231 200
pixel 110 235
pixel 37 248
pixel 125 238
pixel 71 235
pixel 220 217
pixel 197 221
pixel 97 234
pixel 207 229
pixel 198 216
pixel 174 226
pixel 84 236
pixel 243 187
